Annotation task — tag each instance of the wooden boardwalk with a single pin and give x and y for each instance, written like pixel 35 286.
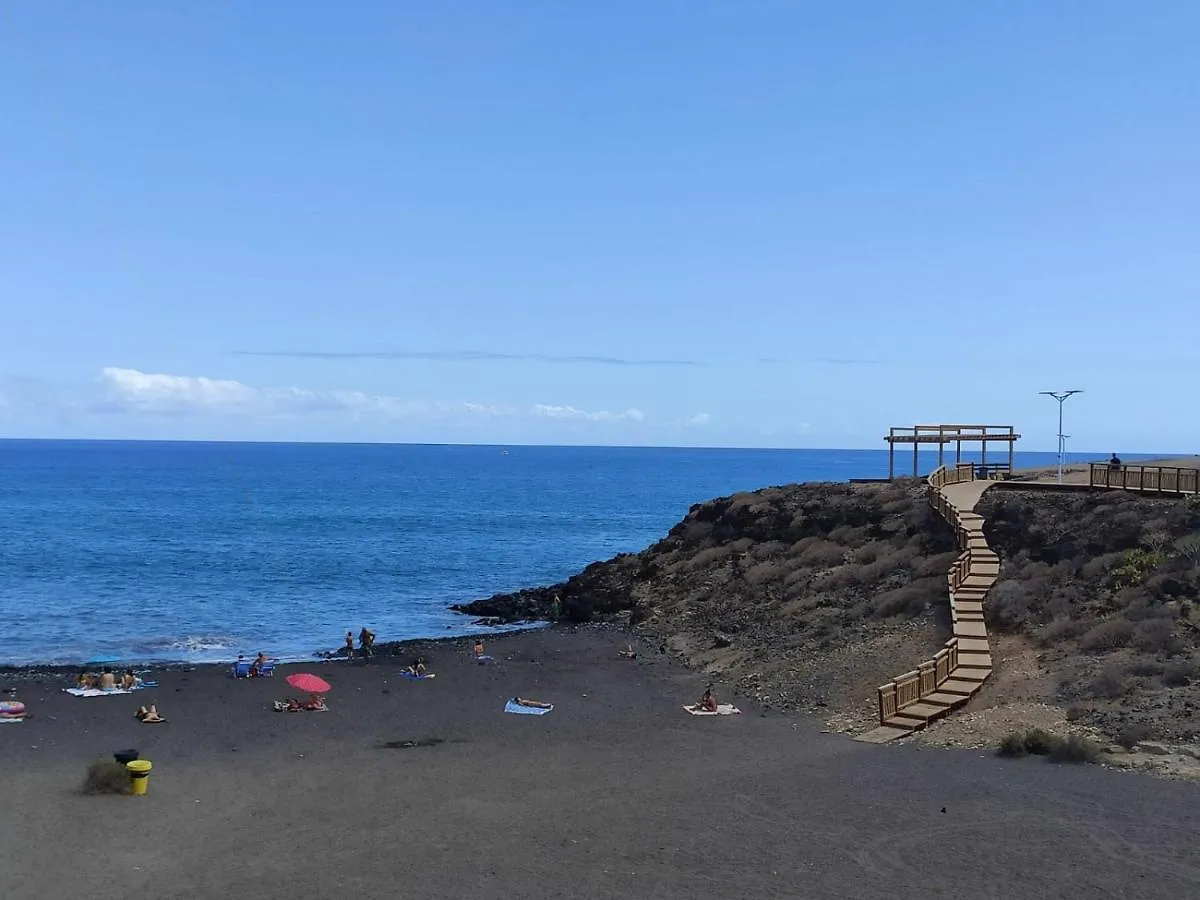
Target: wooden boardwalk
pixel 935 688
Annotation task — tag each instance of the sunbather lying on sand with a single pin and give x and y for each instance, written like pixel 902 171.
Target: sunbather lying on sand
pixel 418 667
pixel 478 649
pixel 532 703
pixel 314 703
pixel 149 716
pixel 628 653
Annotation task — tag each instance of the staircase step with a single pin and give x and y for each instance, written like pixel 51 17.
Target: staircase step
pixel 959 686
pixel 883 734
pixel 909 725
pixel 940 698
pixel 963 673
pixel 921 710
pixel 973 645
pixel 970 629
pixel 974 660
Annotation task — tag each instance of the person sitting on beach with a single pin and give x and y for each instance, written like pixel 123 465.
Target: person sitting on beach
pixel 708 702
pixel 418 667
pixel 256 667
pixel 149 716
pixel 129 681
pixel 86 681
pixel 478 649
pixel 531 703
pixel 108 681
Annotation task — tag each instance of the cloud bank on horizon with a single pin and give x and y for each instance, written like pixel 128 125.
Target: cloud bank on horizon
pixel 127 392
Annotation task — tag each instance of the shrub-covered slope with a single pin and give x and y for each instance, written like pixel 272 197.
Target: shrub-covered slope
pixel 809 595
pixel 1107 584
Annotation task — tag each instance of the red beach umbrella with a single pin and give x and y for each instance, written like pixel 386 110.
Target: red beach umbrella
pixel 310 684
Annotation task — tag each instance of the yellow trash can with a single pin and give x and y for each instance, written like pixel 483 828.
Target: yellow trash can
pixel 139 775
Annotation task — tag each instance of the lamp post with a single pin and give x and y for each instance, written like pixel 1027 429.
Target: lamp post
pixel 1061 397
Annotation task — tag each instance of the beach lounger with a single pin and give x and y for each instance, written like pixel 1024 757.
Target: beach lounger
pixel 520 710
pixel 723 709
pixel 242 669
pixel 267 670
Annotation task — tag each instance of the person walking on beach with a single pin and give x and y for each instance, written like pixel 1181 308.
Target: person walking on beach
pixel 366 643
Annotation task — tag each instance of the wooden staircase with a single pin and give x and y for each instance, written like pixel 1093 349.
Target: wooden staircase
pixel 956 673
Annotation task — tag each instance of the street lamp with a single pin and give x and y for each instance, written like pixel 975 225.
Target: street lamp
pixel 1061 397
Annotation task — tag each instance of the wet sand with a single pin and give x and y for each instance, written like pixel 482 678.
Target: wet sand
pixel 616 793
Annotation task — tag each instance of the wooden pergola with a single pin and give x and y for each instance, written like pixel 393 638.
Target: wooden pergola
pixel 951 434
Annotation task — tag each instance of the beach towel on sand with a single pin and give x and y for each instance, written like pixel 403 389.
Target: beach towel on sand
pixel 94 692
pixel 4 719
pixel 520 710
pixel 411 677
pixel 723 709
pixel 484 659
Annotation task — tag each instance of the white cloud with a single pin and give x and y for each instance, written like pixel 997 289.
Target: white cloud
pixel 542 410
pixel 130 390
pixel 699 419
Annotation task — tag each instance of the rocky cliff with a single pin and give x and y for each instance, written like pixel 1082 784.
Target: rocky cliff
pixel 809 596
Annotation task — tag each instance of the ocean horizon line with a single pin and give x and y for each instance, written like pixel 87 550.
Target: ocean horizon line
pixel 925 450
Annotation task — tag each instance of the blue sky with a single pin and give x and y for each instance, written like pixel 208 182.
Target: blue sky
pixel 748 224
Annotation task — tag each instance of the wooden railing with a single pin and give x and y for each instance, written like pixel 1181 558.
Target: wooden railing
pixel 1159 479
pixel 929 676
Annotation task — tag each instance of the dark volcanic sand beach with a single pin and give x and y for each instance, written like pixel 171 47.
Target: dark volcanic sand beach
pixel 616 793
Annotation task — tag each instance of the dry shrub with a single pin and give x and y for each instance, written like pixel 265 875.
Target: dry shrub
pixel 769 549
pixel 1059 631
pixel 765 573
pixel 1145 668
pixel 909 600
pixel 710 557
pixel 1110 635
pixel 1132 735
pixel 1110 684
pixel 1153 635
pixel 1008 606
pixel 106 776
pixel 1179 672
pixel 822 554
pixel 871 551
pixel 1073 748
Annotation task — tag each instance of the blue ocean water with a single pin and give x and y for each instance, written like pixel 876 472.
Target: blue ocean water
pixel 197 552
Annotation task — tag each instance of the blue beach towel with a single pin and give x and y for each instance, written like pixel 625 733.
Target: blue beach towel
pixel 411 677
pixel 484 659
pixel 520 710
